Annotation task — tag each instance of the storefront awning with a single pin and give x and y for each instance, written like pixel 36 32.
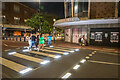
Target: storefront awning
pixel 88 22
pixel 17 26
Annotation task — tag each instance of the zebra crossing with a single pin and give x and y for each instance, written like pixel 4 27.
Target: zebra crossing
pixel 17 61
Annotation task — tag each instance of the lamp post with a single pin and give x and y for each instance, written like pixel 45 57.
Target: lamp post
pixel 54 32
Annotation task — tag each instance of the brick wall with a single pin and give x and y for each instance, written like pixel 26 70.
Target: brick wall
pixel 102 10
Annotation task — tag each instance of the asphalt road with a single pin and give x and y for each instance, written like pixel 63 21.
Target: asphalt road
pixel 98 64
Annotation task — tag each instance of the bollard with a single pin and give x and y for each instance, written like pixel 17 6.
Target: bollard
pixel 20 38
pixel 9 38
pixel 24 39
pixel 16 39
pixel 6 38
pixel 3 38
pixel 13 38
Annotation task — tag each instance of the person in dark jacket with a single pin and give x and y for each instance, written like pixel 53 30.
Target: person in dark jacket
pixel 33 39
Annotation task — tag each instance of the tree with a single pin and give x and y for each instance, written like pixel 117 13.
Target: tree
pixel 44 21
pixel 37 21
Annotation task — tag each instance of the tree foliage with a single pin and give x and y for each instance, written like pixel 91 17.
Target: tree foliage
pixel 44 21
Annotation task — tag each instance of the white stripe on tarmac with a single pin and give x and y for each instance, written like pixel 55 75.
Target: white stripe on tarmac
pixel 44 54
pixel 29 58
pixel 53 51
pixel 103 62
pixel 58 49
pixel 12 65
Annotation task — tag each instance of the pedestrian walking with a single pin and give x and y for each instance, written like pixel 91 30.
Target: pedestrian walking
pixel 29 40
pixel 83 40
pixel 33 39
pixel 80 42
pixel 49 40
pixel 41 42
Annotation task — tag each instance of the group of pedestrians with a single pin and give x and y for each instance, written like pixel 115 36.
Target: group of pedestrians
pixel 38 41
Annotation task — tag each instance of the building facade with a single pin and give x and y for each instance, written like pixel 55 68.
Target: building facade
pixel 97 21
pixel 14 15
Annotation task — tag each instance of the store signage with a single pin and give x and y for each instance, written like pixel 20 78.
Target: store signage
pixel 98 36
pixel 92 36
pixel 114 37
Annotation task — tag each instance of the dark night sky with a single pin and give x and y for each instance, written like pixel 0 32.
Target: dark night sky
pixel 55 8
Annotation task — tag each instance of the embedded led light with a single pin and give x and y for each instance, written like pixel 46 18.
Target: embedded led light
pixel 44 45
pixel 45 62
pixel 26 47
pixel 51 46
pixel 26 50
pixel 66 75
pixel 11 53
pixel 82 61
pixel 25 70
pixel 58 56
pixel 66 53
pixel 77 49
pixel 72 51
pixel 76 67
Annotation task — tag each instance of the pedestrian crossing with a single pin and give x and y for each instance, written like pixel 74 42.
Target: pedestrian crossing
pixel 37 60
pixel 57 49
pixel 21 67
pixel 12 65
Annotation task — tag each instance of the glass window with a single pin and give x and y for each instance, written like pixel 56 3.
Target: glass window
pixel 69 9
pixel 4 19
pixel 17 20
pixel 119 9
pixel 75 8
pixel 25 12
pixel 83 8
pixel 16 8
pixel 3 6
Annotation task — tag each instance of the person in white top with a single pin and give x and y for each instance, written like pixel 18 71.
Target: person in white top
pixel 29 40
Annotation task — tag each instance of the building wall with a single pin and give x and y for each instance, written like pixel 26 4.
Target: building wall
pixel 8 11
pixel 102 10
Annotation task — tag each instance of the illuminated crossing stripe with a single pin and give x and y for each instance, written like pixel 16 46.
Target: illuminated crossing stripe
pixel 58 49
pixel 54 51
pixel 44 54
pixel 62 48
pixel 12 65
pixel 37 60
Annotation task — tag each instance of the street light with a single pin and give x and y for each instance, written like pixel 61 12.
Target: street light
pixel 54 31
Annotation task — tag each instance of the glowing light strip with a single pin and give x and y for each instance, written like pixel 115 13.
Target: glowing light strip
pixel 25 70
pixel 11 53
pixel 77 49
pixel 66 53
pixel 76 67
pixel 45 62
pixel 66 75
pixel 72 51
pixel 26 50
pixel 51 46
pixel 58 56
pixel 82 61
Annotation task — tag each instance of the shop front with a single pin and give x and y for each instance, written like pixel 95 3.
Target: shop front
pixel 105 36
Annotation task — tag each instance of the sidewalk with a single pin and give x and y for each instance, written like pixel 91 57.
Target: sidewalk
pixel 100 48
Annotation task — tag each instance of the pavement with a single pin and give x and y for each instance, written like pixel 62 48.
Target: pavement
pixel 98 64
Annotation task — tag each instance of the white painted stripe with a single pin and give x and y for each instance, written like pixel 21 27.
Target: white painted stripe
pixel 103 62
pixel 66 75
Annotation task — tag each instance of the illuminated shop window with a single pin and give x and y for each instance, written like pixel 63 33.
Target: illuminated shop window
pixel 17 20
pixel 16 8
pixel 114 37
pixel 98 36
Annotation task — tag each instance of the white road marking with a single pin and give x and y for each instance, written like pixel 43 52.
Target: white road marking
pixel 103 62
